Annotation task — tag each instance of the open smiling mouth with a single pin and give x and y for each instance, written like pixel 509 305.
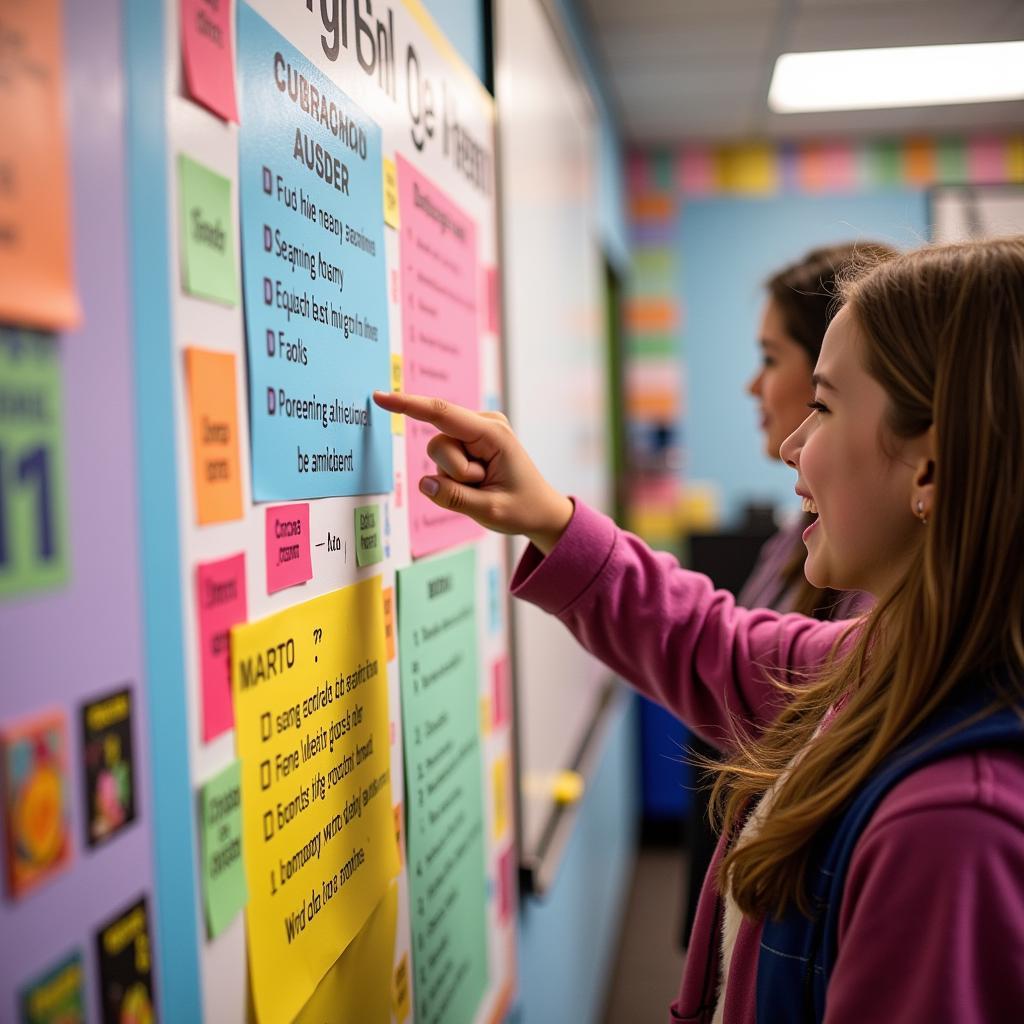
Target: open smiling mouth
pixel 808 505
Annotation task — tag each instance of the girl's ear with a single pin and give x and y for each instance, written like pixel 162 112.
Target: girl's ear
pixel 922 498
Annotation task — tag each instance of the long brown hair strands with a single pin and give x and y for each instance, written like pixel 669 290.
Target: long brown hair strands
pixel 944 336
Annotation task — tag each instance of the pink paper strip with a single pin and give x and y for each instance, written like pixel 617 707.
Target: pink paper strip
pixel 288 554
pixel 696 169
pixel 221 604
pixel 208 55
pixel 838 166
pixel 986 161
pixel 638 174
pixel 500 693
pixel 439 285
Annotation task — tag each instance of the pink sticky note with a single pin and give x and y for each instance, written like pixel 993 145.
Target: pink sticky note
pixel 221 604
pixel 288 555
pixel 500 693
pixel 439 286
pixel 208 55
pixel 506 883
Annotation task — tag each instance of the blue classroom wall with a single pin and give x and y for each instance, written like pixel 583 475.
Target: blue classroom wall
pixel 726 248
pixel 177 963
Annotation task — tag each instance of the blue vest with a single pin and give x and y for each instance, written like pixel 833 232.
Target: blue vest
pixel 797 954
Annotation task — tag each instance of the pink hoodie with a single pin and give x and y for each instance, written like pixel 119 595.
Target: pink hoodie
pixel 932 922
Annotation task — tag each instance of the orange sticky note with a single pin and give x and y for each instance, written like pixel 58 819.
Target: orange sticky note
pixel 213 414
pixel 500 795
pixel 398 813
pixel 400 1001
pixel 36 283
pixel 389 621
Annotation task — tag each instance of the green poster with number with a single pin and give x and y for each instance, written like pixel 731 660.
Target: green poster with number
pixel 440 679
pixel 33 493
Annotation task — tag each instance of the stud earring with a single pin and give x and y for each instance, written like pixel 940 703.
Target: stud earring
pixel 920 512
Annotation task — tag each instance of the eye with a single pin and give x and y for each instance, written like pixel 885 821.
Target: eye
pixel 817 406
pixel 768 362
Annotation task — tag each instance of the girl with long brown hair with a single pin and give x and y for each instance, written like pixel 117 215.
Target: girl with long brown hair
pixel 871 862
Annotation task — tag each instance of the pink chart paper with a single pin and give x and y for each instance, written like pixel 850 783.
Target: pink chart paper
pixel 439 279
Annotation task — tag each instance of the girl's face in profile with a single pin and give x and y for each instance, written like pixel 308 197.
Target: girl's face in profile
pixel 851 470
pixel 782 385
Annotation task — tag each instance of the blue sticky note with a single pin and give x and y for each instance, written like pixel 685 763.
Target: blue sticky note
pixel 494 598
pixel 314 276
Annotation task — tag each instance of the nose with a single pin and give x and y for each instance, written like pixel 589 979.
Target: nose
pixel 754 384
pixel 789 450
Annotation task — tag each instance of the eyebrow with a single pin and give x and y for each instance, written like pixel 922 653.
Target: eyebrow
pixel 819 380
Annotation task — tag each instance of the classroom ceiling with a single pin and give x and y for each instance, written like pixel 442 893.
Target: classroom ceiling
pixel 700 69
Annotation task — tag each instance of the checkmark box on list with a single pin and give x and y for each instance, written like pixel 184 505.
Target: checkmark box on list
pixel 265 726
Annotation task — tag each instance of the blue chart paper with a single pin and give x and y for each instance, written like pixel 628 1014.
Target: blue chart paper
pixel 315 279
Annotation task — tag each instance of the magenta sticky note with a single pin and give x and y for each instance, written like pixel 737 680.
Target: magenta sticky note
pixel 506 883
pixel 221 604
pixel 440 284
pixel 208 55
pixel 288 554
pixel 501 693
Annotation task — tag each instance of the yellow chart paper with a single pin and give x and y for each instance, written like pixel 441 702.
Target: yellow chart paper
pixel 356 990
pixel 311 713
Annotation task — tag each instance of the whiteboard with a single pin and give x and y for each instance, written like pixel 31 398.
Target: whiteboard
pixel 556 365
pixel 963 212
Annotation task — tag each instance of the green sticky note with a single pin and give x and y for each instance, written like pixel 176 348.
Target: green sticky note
pixel 207 234
pixel 33 491
pixel 369 543
pixel 224 889
pixel 439 675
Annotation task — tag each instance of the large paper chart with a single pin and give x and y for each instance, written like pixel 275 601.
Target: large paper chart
pixel 439 670
pixel 311 714
pixel 437 252
pixel 314 274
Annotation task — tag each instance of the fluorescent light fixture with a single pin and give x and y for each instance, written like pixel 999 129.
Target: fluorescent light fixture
pixel 897 76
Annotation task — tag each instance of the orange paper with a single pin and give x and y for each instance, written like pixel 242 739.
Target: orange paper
pixel 36 286
pixel 213 414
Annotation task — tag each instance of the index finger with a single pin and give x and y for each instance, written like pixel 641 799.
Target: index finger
pixel 464 425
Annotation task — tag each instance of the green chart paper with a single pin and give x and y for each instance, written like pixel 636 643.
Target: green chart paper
pixel 444 801
pixel 33 493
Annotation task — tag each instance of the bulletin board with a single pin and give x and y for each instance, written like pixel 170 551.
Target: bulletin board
pixel 273 731
pixel 340 237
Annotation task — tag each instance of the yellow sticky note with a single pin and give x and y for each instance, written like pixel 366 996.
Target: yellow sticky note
pixel 358 986
pixel 397 419
pixel 390 193
pixel 311 725
pixel 499 784
pixel 485 715
pixel 400 1001
pixel 388 596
